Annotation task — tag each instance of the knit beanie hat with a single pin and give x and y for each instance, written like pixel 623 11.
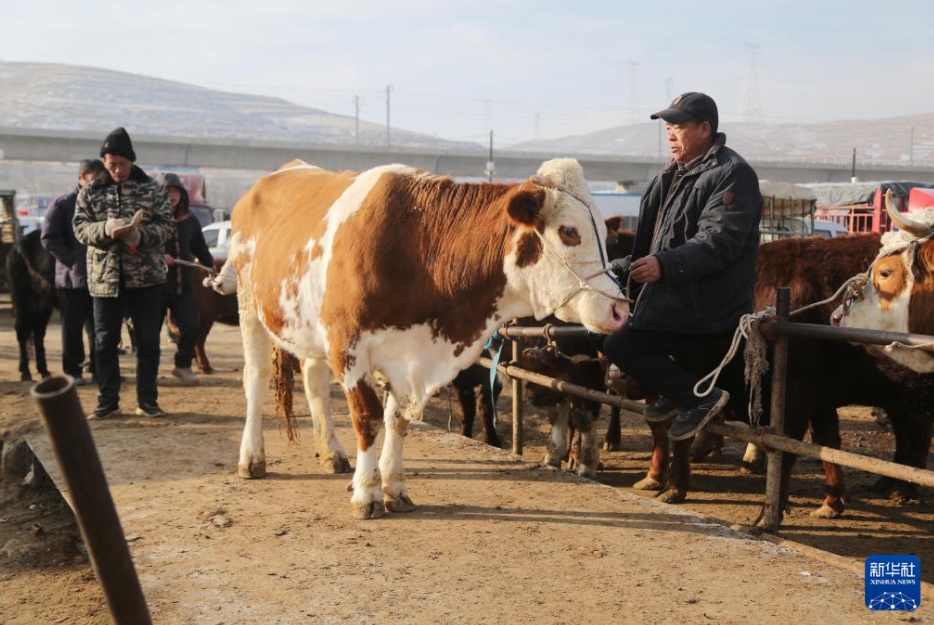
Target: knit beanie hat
pixel 118 143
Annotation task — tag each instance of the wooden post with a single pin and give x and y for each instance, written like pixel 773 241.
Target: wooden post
pixel 516 406
pixel 94 508
pixel 772 516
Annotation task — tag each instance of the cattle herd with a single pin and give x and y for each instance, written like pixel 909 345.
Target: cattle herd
pixel 412 311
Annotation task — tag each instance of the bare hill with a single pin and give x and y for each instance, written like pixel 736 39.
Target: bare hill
pixel 68 97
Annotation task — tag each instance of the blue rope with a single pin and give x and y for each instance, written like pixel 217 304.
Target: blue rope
pixel 495 345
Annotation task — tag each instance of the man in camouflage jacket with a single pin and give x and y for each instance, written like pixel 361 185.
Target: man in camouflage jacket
pixel 124 218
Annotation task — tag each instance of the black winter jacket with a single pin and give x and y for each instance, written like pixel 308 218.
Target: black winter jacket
pixel 706 243
pixel 58 237
pixel 187 242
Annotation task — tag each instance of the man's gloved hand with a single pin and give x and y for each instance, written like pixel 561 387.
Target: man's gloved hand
pixel 620 266
pixel 114 224
pixel 131 238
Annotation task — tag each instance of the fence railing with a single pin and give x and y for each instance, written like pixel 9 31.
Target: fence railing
pixel 771 438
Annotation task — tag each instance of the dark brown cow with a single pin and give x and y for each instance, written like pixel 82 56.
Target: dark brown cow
pixel 30 271
pixel 822 375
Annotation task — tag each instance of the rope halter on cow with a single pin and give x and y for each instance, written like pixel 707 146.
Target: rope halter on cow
pixel 583 282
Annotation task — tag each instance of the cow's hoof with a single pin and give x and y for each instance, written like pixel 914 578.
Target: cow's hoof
pixel 45 374
pixel 883 485
pixel 611 446
pixel 364 511
pixel 670 496
pixel 25 377
pixel 826 512
pixel 206 370
pixel 252 471
pixel 400 504
pixel 336 465
pixel 751 468
pixel 647 483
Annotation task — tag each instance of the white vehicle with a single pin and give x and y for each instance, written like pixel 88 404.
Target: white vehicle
pixel 217 236
pixel 772 229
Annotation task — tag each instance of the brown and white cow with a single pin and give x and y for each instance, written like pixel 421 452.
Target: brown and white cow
pixel 898 293
pixel 414 304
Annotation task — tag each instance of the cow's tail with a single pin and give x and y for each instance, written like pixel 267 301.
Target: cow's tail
pixel 225 282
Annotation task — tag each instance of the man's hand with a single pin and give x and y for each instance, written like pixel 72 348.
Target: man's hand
pixel 131 238
pixel 114 225
pixel 646 269
pixel 169 260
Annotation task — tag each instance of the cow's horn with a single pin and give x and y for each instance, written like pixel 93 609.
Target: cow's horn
pixel 908 225
pixel 542 181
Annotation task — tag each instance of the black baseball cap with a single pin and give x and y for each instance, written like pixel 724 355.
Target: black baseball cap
pixel 692 105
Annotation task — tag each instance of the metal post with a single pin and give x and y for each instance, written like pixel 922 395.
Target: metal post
pixel 516 406
pixel 77 457
pixel 773 484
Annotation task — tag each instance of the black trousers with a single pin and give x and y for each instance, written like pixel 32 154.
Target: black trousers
pixel 144 307
pixel 185 318
pixel 669 363
pixel 77 310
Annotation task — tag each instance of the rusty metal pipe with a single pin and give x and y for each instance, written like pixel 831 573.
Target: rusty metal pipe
pixel 68 431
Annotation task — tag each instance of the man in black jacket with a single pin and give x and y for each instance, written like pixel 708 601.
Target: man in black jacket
pixel 71 275
pixel 692 269
pixel 186 243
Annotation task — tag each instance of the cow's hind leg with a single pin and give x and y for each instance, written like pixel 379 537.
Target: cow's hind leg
pixel 366 412
pixel 559 441
pixel 40 324
pixel 316 376
pixel 257 353
pixel 395 495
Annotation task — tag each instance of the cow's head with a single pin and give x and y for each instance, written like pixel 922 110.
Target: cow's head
pixel 897 294
pixel 557 253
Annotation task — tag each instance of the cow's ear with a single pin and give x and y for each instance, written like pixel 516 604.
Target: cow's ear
pixel 525 205
pixel 613 223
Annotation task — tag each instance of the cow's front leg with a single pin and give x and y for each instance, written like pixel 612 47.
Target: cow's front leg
pixel 366 412
pixel 558 443
pixel 395 496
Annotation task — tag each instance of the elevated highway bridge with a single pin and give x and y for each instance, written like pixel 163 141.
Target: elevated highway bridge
pixel 633 171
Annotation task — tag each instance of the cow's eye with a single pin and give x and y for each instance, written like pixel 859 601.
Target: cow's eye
pixel 885 273
pixel 569 235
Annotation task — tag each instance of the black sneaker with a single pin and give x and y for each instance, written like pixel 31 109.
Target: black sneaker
pixel 105 411
pixel 150 410
pixel 689 422
pixel 661 410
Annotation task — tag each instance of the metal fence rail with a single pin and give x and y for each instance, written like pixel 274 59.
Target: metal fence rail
pixel 771 438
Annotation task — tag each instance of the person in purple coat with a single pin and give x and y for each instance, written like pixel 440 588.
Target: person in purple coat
pixel 71 275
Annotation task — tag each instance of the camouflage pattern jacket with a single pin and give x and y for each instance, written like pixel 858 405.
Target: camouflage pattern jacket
pixel 112 263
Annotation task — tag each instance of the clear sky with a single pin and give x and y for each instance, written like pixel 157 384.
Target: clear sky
pixel 524 69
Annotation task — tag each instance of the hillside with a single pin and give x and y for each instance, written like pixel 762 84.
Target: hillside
pixel 68 97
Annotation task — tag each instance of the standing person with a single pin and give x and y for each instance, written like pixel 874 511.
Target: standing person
pixel 186 243
pixel 693 267
pixel 74 300
pixel 124 218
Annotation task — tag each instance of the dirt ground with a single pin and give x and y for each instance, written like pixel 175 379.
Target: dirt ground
pixel 496 538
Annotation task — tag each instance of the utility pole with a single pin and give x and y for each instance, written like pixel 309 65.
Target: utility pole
pixel 356 116
pixel 389 89
pixel 752 109
pixel 633 100
pixel 853 178
pixel 661 122
pixel 489 164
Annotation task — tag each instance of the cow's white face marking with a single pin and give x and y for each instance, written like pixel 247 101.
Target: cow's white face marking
pixel 547 284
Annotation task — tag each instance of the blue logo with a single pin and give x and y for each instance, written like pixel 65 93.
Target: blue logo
pixel 893 582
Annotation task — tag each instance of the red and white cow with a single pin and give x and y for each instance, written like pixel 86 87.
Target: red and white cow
pixel 898 294
pixel 414 305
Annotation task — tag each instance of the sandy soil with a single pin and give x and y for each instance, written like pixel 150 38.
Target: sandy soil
pixel 496 538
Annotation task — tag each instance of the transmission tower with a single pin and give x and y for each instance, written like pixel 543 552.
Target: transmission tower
pixel 752 110
pixel 633 99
